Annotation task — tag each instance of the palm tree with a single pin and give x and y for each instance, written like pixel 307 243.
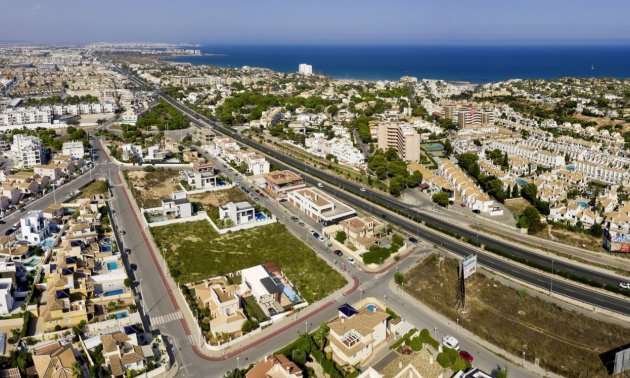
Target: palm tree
pixel 77 372
pixel 235 373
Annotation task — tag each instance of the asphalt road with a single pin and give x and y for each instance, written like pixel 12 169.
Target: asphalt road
pixel 350 191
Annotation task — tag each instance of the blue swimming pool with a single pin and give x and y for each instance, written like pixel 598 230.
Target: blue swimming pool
pixel 371 307
pixel 570 167
pixel 582 204
pixel 260 216
pixel 112 265
pixel 120 315
pixel 521 182
pixel 113 292
pixel 47 243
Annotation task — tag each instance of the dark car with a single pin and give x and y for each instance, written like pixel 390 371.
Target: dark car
pixel 123 232
pixel 261 194
pixel 2 222
pixel 128 251
pixel 9 231
pixel 466 356
pixel 133 267
pixel 413 240
pixel 338 252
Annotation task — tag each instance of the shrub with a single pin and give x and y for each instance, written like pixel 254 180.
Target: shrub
pixel 391 313
pixel 415 343
pixel 426 338
pixel 447 357
pixel 460 364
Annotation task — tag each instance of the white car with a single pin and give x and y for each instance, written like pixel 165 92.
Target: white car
pixel 320 185
pixel 362 189
pixel 624 285
pixel 450 342
pixel 351 260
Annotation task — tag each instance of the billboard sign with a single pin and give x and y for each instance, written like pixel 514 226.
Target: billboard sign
pixel 622 361
pixel 469 265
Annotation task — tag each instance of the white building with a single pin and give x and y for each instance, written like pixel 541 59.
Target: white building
pixel 26 151
pixel 6 295
pixel 177 206
pixel 74 149
pixel 239 213
pixel 34 227
pixel 305 69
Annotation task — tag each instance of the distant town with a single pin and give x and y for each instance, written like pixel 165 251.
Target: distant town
pixel 164 219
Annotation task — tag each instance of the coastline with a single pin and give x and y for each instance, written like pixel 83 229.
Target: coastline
pixel 472 64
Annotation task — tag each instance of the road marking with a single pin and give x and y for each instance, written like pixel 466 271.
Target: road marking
pixel 161 319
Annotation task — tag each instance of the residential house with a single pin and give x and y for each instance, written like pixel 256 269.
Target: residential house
pixel 319 206
pixel 54 360
pixel 34 227
pixel 122 353
pixel 238 213
pixel 356 334
pixel 279 183
pixel 224 303
pixel 178 206
pixel 275 366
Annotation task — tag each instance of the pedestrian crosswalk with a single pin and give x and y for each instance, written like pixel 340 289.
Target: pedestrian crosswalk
pixel 161 319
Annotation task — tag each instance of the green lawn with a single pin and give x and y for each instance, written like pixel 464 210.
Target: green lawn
pixel 195 251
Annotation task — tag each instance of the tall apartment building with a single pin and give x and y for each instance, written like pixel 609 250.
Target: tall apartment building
pixel 26 151
pixel 305 69
pixel 467 115
pixel 402 138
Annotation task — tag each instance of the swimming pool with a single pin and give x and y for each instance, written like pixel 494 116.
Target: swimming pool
pixel 119 315
pixel 260 216
pixel 582 204
pixel 47 243
pixel 106 248
pixel 521 182
pixel 290 293
pixel 112 265
pixel 371 307
pixel 113 292
pixel 570 167
pixel 434 147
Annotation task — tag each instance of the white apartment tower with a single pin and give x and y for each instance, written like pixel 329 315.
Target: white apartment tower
pixel 26 151
pixel 305 69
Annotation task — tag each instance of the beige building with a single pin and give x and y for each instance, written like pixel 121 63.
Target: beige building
pixel 402 138
pixel 355 335
pixel 224 303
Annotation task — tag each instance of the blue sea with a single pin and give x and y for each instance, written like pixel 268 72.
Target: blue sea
pixel 476 64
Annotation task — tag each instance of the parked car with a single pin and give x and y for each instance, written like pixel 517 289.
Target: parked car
pixel 9 231
pixel 351 260
pixel 338 252
pixel 261 194
pixel 316 235
pixel 362 189
pixel 301 224
pixel 466 356
pixel 128 251
pixel 450 342
pixel 294 218
pixel 321 239
pixel 624 285
pixel 413 240
pixel 133 267
pixel 462 204
pixel 320 185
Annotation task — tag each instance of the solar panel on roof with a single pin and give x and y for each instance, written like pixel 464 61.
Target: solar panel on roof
pixel 347 310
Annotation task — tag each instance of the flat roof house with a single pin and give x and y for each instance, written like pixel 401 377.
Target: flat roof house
pixel 279 183
pixel 239 213
pixel 178 206
pixel 318 206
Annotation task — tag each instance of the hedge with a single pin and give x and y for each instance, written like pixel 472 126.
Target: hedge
pixel 425 336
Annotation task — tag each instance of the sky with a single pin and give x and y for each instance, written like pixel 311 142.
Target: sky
pixel 318 21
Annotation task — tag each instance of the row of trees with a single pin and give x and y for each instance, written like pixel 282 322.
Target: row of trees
pixel 387 164
pixel 491 184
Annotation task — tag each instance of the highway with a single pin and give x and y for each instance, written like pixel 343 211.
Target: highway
pixel 350 193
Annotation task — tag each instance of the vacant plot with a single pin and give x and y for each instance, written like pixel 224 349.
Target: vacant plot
pixel 194 251
pixel 516 205
pixel 574 239
pixel 220 197
pixel 94 188
pixel 149 187
pixel 564 341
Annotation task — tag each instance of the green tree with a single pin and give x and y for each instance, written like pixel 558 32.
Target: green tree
pixel 440 198
pixel 596 230
pixel 414 179
pixel 341 237
pixel 399 278
pixel 235 373
pixel 397 185
pixel 249 325
pixel 515 193
pixel 530 219
pixel 529 192
pixel 77 372
pixel 128 282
